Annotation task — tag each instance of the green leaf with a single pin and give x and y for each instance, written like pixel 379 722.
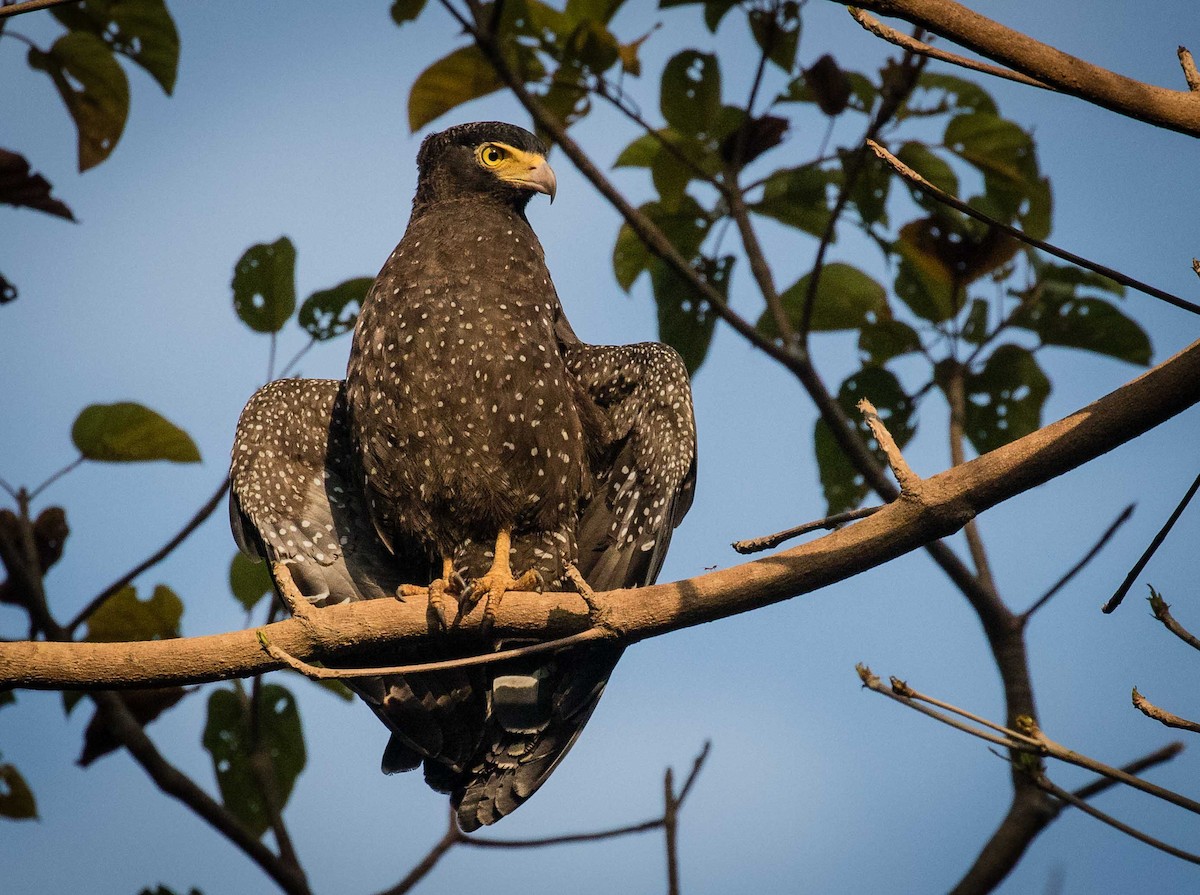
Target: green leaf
pixel 828 85
pixel 685 322
pixel 1090 324
pixel 802 90
pixel 406 10
pixel 231 741
pixel 329 313
pixel 957 93
pixel 592 46
pixel 141 30
pixel 691 92
pixel 846 298
pixel 777 33
pixel 930 166
pixel 882 340
pixel 16 798
pixel 264 285
pixel 462 76
pixel 1004 399
pixel 871 188
pixel 123 617
pixel 685 227
pixel 127 432
pixel 798 197
pixel 1006 156
pixel 843 486
pixel 94 88
pixel 250 581
pixel 975 327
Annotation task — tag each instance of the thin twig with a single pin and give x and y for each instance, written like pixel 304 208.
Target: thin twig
pixel 1032 739
pixel 670 831
pixel 12 492
pixel 757 545
pixel 566 839
pixel 1157 757
pixel 1150 710
pixel 1115 600
pixel 1062 582
pixel 1190 73
pixel 892 36
pixel 287 368
pixel 16 9
pixel 955 391
pixel 318 673
pixel 1162 611
pixel 945 198
pixel 1083 806
pixel 152 560
pixel 70 467
pixel 452 837
pixel 905 477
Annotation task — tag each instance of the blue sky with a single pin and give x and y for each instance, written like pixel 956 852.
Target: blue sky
pixel 290 119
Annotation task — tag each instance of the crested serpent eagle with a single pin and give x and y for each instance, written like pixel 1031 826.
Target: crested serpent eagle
pixel 475 447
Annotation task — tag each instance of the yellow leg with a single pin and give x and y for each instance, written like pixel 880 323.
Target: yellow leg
pixel 497 582
pixel 436 591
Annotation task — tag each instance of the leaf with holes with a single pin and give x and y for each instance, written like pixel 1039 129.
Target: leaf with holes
pixel 690 96
pixel 141 30
pixel 952 92
pixel 94 88
pixel 777 33
pixel 127 432
pixel 798 197
pixel 124 617
pixel 843 486
pixel 16 798
pixel 250 581
pixel 329 313
pixel 264 285
pixel 830 86
pixel 871 187
pixel 20 186
pixel 685 322
pixel 846 298
pixel 231 738
pixel 1090 324
pixel 1004 399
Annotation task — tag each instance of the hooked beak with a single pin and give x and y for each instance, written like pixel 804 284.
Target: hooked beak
pixel 540 178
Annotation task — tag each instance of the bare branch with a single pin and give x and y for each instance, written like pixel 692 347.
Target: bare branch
pixel 1150 710
pixel 1115 600
pixel 16 9
pixel 902 40
pixel 1172 109
pixel 178 785
pixel 1062 582
pixel 1157 757
pixel 452 837
pixel 1028 739
pixel 939 506
pixel 942 196
pixel 829 523
pixel 1083 806
pixel 1190 73
pixel 1162 611
pixel 908 480
pixel 152 560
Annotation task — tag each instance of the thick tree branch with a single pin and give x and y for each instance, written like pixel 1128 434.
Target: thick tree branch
pixel 1172 109
pixel 940 506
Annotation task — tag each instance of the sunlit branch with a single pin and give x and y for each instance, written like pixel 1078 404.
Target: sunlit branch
pixel 767 542
pixel 1150 710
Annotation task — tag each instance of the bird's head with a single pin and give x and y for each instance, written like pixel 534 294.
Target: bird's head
pixel 485 159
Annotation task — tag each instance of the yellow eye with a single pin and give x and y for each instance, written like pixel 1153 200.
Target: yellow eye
pixel 492 155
